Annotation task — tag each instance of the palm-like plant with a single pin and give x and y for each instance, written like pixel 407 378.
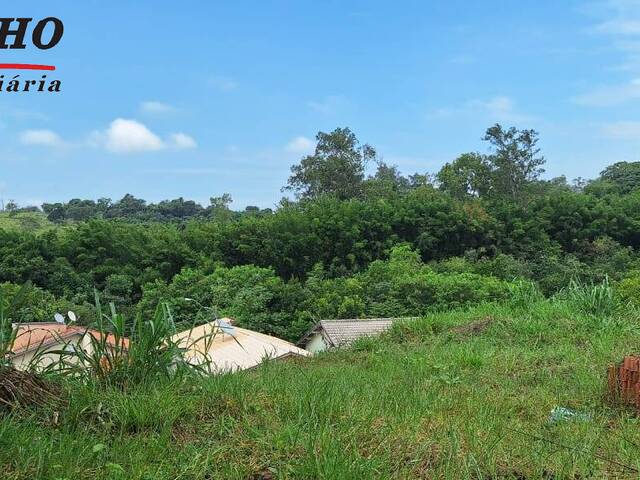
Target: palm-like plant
pixel 112 353
pixel 8 334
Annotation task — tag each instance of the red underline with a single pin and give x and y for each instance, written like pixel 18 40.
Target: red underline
pixel 26 66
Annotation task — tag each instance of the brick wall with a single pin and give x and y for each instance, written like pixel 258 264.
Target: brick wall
pixel 624 381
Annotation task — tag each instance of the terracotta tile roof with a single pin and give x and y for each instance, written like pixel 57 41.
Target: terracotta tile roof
pixel 35 335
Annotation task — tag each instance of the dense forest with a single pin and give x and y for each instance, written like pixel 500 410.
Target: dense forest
pixel 347 245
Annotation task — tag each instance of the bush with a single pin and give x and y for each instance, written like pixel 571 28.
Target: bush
pixel 253 296
pixel 457 290
pixel 628 291
pixel 524 293
pixel 593 299
pixel 404 286
pixel 34 304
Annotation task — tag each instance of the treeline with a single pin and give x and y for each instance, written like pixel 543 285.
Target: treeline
pixel 137 209
pixel 348 245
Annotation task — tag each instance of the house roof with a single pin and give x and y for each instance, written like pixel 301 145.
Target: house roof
pixel 234 348
pixel 344 332
pixel 40 335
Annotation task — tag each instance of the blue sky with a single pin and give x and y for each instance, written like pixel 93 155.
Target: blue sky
pixel 197 98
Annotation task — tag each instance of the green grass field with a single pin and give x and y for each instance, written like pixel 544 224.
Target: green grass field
pixel 455 395
pixel 24 221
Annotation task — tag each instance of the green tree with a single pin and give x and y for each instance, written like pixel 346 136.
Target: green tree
pixel 255 297
pixel 620 178
pixel 11 207
pixel 515 161
pixel 219 207
pixel 127 207
pixel 386 182
pixel 467 176
pixel 336 168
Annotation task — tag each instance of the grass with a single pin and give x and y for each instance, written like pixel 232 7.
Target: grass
pixel 119 360
pixel 25 221
pixel 464 394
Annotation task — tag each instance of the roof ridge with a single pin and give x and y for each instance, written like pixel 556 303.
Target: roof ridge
pixel 365 319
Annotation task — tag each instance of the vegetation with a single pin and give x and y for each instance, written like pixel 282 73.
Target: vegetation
pixel 480 223
pixel 459 394
pixel 122 357
pixel 526 290
pixel 24 221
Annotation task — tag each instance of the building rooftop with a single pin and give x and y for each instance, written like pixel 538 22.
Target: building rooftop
pixel 344 332
pixel 40 335
pixel 230 348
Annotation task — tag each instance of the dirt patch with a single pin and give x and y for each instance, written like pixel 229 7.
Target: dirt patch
pixel 473 328
pixel 265 474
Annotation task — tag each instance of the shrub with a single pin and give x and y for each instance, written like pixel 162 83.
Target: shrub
pixel 593 299
pixel 253 296
pixel 124 356
pixel 31 305
pixel 457 290
pixel 404 286
pixel 628 291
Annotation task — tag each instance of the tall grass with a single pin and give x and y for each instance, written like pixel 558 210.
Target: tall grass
pixel 524 293
pixel 9 335
pixel 114 350
pixel 443 405
pixel 592 299
pixel 124 353
pixel 433 402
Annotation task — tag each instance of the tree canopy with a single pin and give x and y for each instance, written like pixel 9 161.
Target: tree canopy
pixel 357 243
pixel 336 168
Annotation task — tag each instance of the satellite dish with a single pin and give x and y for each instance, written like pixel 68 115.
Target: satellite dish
pixel 227 328
pixel 72 316
pixel 59 318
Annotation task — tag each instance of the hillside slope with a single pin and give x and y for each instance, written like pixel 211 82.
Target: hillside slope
pixel 454 395
pixel 24 221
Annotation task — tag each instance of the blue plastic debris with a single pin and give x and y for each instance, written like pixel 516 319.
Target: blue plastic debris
pixel 561 414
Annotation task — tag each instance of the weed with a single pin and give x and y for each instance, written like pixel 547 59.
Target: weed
pixel 592 299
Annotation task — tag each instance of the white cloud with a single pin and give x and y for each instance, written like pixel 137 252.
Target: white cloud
pixel 300 145
pixel 618 17
pixel 222 83
pixel 156 108
pixel 182 141
pixel 626 130
pixel 130 136
pixel 620 24
pixel 121 136
pixel 619 27
pixel 43 138
pixel 328 104
pixel 500 106
pixel 610 95
pixel 495 109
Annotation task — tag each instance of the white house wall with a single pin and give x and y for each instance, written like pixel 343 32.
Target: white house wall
pixel 316 343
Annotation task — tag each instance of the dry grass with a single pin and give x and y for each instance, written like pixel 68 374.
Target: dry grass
pixel 28 390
